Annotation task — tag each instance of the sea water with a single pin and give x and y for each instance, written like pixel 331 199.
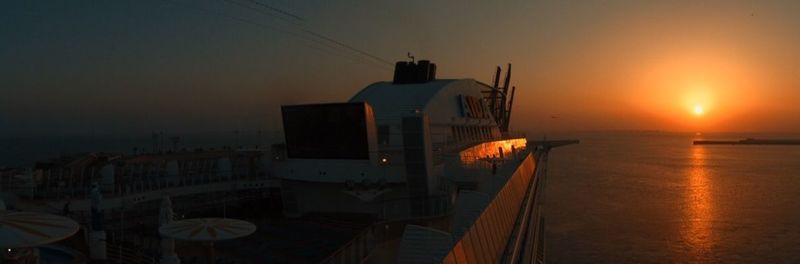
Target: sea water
pixel 656 198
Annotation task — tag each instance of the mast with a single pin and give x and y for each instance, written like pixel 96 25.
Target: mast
pixel 499 102
pixel 507 121
pixel 503 110
pixel 493 97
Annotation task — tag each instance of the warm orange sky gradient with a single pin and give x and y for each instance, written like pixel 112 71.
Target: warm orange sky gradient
pixel 648 65
pixel 591 65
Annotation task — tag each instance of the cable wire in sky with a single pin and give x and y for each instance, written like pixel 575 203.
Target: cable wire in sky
pixel 277 10
pixel 302 32
pixel 310 32
pixel 285 16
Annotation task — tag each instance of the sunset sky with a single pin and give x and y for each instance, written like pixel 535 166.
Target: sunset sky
pixel 123 67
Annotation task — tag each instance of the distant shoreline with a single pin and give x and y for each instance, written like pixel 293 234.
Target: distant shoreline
pixel 749 141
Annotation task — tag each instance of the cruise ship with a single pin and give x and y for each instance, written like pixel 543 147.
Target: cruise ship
pixel 412 170
pixel 432 160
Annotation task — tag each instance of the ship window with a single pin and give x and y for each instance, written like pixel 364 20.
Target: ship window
pixel 326 131
pixel 383 135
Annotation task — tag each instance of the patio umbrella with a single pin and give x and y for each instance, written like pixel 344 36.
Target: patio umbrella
pixel 207 230
pixel 30 229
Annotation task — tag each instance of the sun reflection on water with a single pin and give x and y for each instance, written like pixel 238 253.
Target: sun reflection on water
pixel 699 206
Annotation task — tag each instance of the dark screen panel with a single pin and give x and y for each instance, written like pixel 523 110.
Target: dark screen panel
pixel 326 131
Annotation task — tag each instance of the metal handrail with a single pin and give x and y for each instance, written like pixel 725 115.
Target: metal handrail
pixel 520 228
pixel 47 194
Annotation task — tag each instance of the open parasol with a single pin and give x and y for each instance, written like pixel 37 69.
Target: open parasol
pixel 207 230
pixel 30 229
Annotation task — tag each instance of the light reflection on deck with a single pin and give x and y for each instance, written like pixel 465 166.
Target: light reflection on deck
pixel 699 213
pixel 489 150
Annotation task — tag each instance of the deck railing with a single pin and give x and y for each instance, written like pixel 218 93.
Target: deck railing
pixel 488 237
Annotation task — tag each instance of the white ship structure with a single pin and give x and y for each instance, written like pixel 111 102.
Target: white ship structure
pixel 432 159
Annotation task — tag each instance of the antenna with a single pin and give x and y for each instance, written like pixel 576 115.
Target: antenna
pixel 493 97
pixel 500 102
pixel 510 104
pixel 503 111
pixel 410 56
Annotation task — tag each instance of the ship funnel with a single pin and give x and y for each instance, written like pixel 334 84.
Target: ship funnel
pixel 414 72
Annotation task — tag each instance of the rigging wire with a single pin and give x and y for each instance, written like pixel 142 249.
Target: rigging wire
pixel 332 45
pixel 296 21
pixel 278 10
pixel 308 31
pixel 348 47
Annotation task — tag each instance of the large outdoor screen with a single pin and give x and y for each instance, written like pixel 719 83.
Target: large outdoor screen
pixel 326 131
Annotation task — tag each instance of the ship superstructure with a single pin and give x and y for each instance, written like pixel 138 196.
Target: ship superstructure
pixel 387 143
pixel 431 159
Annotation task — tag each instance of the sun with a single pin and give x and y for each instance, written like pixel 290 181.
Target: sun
pixel 698 110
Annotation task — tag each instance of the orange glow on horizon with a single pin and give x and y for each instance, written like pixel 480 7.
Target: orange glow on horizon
pixel 704 90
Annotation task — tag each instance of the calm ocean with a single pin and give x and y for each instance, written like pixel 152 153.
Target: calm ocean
pixel 656 198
